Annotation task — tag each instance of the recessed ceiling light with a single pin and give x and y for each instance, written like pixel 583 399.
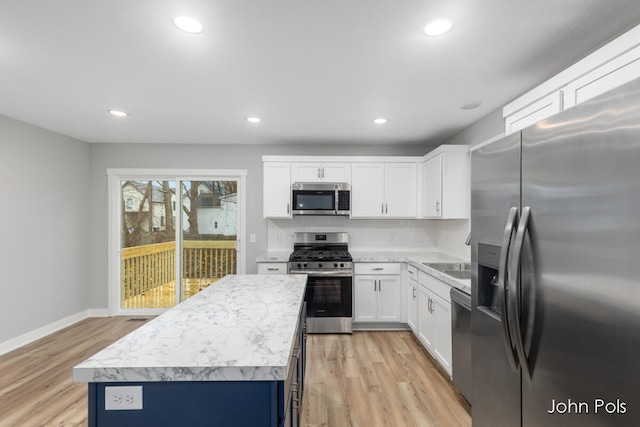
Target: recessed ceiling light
pixel 254 119
pixel 438 27
pixel 380 121
pixel 118 113
pixel 470 105
pixel 188 25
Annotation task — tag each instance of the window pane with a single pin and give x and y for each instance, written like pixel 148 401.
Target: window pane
pixel 209 229
pixel 148 244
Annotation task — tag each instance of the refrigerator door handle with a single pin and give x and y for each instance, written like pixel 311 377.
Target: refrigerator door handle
pixel 502 287
pixel 514 289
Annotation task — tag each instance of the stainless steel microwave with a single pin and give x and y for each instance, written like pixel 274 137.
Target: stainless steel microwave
pixel 321 198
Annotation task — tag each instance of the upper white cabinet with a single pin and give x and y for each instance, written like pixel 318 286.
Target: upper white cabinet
pixel 276 193
pixel 533 113
pixel 613 65
pixel 367 190
pixel 614 73
pixel 321 172
pixel 447 182
pixel 384 190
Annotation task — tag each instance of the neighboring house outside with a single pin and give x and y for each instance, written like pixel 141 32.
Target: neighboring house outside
pixel 132 195
pixel 220 218
pixel 216 213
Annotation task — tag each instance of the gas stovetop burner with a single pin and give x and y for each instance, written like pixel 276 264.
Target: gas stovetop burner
pixel 320 252
pixel 318 255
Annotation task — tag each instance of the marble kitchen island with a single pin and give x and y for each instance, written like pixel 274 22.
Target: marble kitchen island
pixel 231 355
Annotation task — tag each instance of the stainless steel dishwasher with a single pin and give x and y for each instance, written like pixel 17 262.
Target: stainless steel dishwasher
pixel 461 341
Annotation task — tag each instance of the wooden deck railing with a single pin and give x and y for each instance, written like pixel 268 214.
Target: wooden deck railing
pixel 147 268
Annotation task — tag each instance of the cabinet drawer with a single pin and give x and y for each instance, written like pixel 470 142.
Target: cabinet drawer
pixel 272 268
pixel 412 272
pixel 377 268
pixel 434 285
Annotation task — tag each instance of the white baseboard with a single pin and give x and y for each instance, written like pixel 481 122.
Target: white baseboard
pixel 42 332
pixel 98 312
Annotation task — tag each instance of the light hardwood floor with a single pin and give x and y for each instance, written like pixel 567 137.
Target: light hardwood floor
pixel 35 380
pixel 364 379
pixel 372 379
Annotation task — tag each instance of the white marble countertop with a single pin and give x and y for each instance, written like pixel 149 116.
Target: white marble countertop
pixel 278 256
pixel 414 258
pixel 417 259
pixel 241 328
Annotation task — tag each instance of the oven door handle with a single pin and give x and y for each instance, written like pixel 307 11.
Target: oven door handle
pixel 323 273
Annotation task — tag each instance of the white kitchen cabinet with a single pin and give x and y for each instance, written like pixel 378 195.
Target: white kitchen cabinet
pixel 614 73
pixel 434 318
pixel 401 190
pixel 412 298
pixel 533 113
pixel 377 292
pixel 612 65
pixel 426 325
pixel 367 190
pixel 432 176
pixel 384 190
pixel 272 268
pixel 447 183
pixel 321 172
pixel 276 192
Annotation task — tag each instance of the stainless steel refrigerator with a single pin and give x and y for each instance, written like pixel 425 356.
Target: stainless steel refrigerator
pixel 556 270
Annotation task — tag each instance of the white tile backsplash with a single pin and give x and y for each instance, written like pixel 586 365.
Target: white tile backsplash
pixel 451 237
pixel 366 235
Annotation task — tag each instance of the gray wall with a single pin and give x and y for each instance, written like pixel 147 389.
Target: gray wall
pixel 54 234
pixel 179 156
pixel 486 128
pixel 45 217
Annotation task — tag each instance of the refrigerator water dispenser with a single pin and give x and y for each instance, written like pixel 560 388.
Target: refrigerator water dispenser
pixel 488 261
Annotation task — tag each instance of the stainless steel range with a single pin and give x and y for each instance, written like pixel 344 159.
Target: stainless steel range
pixel 325 258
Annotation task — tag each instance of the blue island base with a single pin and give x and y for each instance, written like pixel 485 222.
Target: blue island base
pixel 194 404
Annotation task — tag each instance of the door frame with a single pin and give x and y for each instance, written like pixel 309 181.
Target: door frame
pixel 116 176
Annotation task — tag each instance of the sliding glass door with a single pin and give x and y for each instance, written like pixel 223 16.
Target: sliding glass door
pixel 209 233
pixel 175 237
pixel 148 244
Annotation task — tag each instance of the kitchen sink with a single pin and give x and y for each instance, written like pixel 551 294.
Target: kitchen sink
pixel 459 274
pixel 449 266
pixel 457 270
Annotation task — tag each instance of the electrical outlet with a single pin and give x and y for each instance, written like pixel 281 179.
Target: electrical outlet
pixel 278 237
pixel 252 238
pixel 123 398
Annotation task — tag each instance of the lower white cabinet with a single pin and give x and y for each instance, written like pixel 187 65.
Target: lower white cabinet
pixel 377 296
pixel 272 268
pixel 434 319
pixel 412 298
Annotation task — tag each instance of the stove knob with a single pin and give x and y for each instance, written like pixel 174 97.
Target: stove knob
pixel 335 265
pixel 304 265
pixel 341 264
pixel 320 265
pixel 299 265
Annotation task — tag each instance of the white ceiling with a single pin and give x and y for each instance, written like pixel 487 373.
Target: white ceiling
pixel 315 71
